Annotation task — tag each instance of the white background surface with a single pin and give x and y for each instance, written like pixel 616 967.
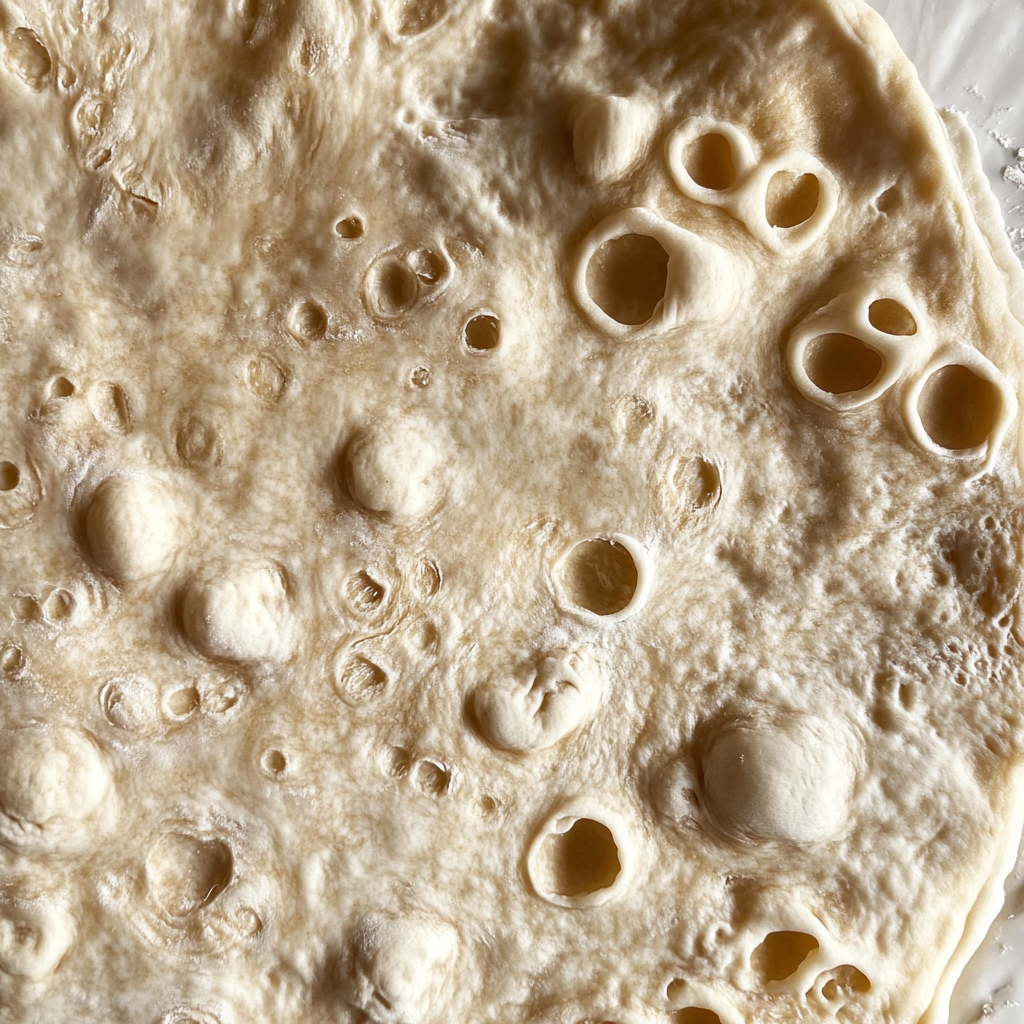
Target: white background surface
pixel 970 56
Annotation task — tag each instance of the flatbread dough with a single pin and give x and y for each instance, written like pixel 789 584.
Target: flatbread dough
pixel 510 512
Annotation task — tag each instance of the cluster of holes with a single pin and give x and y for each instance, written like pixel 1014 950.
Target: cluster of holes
pixel 791 197
pixel 580 861
pixel 394 282
pixel 600 576
pixel 841 364
pixel 627 278
pixel 482 333
pixel 430 777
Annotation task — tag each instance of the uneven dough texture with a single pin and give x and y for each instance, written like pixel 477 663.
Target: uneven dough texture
pixel 509 511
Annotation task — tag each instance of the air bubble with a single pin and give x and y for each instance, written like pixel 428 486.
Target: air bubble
pixel 307 321
pixel 12 659
pixel 696 484
pixel 600 576
pixel 390 288
pixel 110 406
pixel 357 680
pixel 185 873
pixel 414 17
pixel 781 953
pixel 791 199
pixel 427 265
pixel 419 376
pixel 482 333
pixel 891 317
pixel 28 58
pixel 958 408
pixel 784 781
pixel 363 593
pixel 426 579
pixel 396 762
pixel 58 606
pixel 709 162
pixel 840 364
pixel 273 762
pixel 889 201
pixel 431 778
pixel 350 228
pixel 25 608
pixel 197 442
pixel 10 476
pixel 627 278
pixel 265 379
pixel 182 702
pixel 61 387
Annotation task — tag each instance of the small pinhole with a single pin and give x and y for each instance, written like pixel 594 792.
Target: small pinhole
pixel 350 228
pixel 10 476
pixel 61 387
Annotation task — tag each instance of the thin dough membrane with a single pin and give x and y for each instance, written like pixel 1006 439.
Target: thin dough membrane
pixel 508 512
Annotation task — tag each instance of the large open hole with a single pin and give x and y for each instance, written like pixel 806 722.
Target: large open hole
pixel 890 317
pixel 958 408
pixel 839 363
pixel 10 475
pixel 791 199
pixel 601 576
pixel 696 1015
pixel 580 861
pixel 627 277
pixel 781 954
pixel 708 162
pixel 483 332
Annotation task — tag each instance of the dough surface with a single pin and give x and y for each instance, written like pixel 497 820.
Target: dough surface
pixel 508 512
